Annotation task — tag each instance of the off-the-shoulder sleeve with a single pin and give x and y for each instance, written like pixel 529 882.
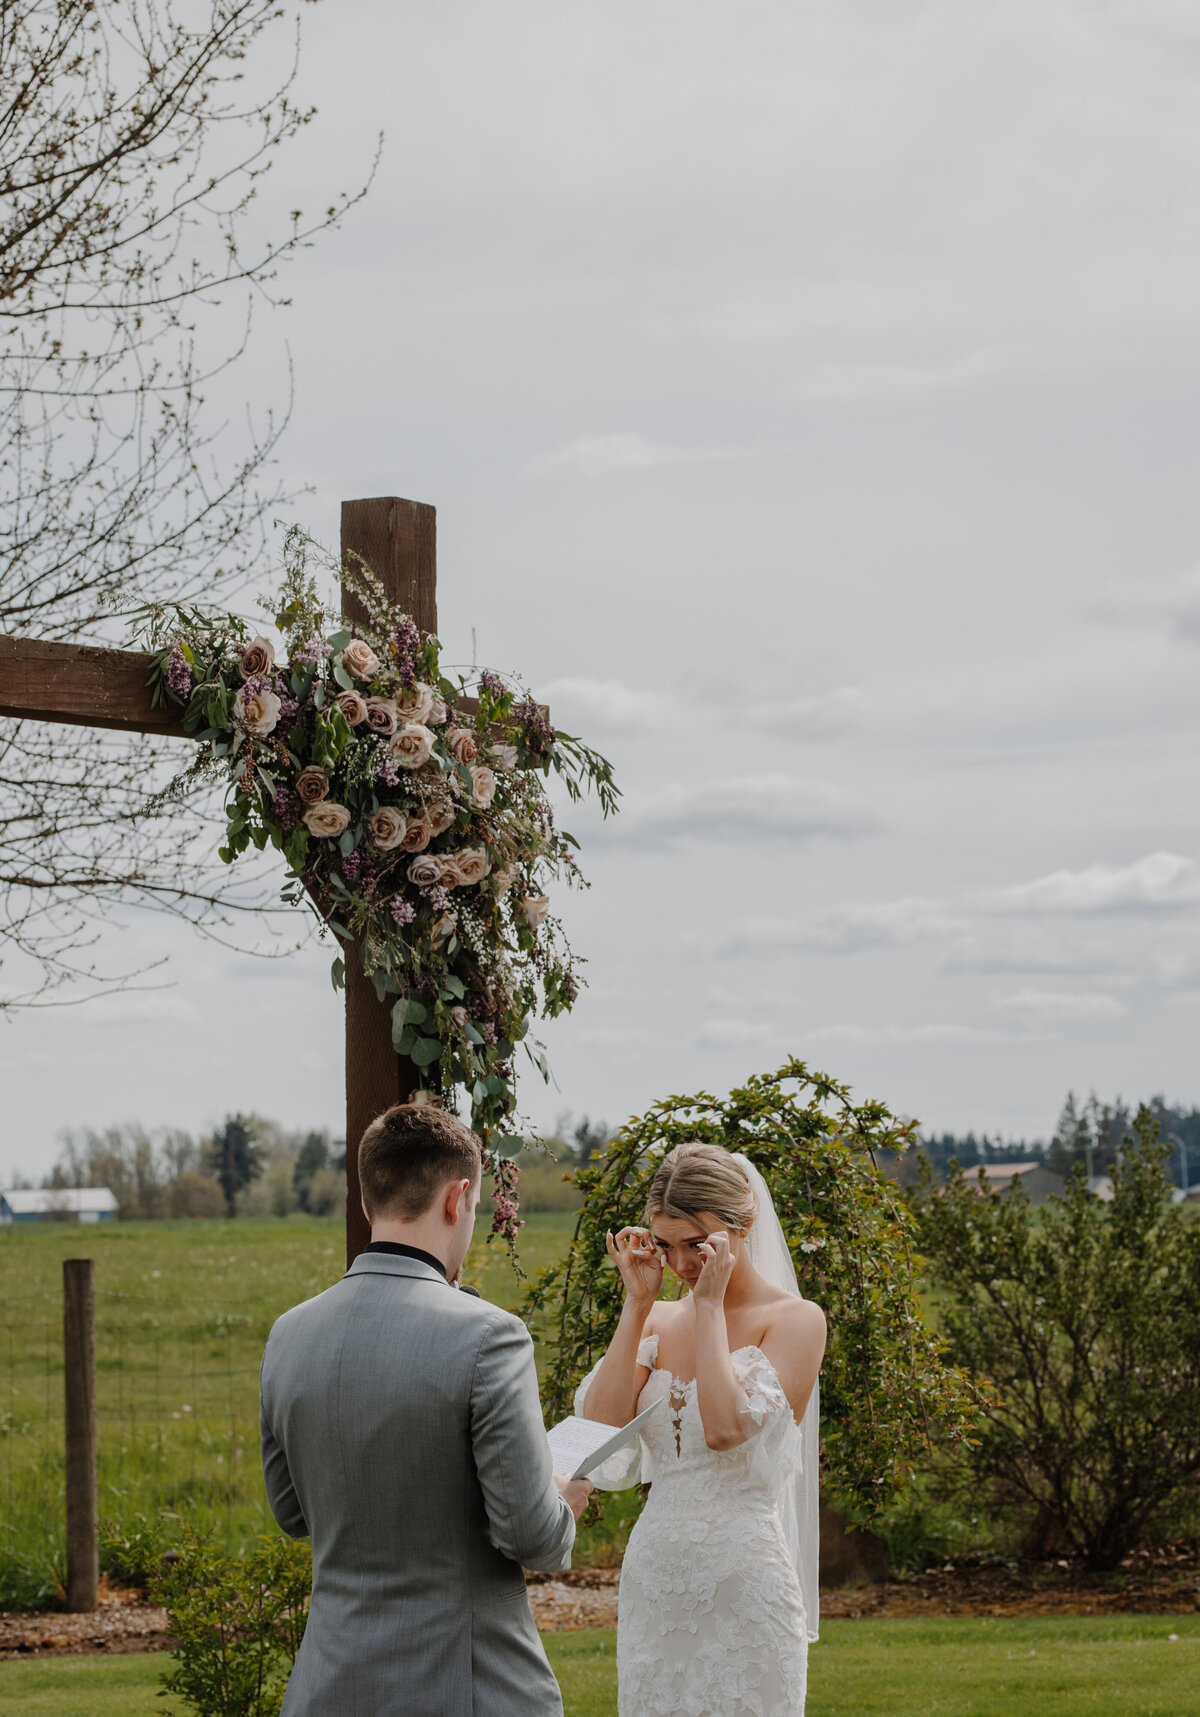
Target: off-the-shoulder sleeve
pixel 624 1469
pixel 767 1419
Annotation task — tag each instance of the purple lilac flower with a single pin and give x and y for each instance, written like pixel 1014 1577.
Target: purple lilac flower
pixel 402 911
pixel 438 898
pixel 310 653
pixel 406 642
pixel 539 735
pixel 287 809
pixel 388 770
pixel 287 704
pixel 493 683
pixel 489 1032
pixel 179 675
pixel 359 867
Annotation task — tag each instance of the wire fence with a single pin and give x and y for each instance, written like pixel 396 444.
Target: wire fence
pixel 177 1421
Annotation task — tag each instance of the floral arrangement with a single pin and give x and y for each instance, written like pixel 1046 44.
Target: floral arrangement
pixel 413 817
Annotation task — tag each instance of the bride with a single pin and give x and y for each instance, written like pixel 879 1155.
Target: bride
pixel 718 1595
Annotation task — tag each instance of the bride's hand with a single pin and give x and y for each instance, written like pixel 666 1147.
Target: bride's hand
pixel 639 1261
pixel 715 1271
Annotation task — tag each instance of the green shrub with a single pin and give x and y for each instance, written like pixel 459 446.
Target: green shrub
pixel 237 1623
pixel 1085 1317
pixel 886 1391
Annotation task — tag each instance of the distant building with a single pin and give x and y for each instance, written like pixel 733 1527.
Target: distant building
pixel 1101 1186
pixel 1037 1182
pixel 58 1204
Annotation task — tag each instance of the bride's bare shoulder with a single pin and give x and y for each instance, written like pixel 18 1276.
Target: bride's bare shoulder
pixel 799 1321
pixel 663 1314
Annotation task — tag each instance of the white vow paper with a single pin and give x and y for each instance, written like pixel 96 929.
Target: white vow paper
pixel 579 1446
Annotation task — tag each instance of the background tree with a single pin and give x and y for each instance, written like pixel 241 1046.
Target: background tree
pixel 1085 1317
pixel 312 1156
pixel 886 1390
pixel 133 152
pixel 234 1158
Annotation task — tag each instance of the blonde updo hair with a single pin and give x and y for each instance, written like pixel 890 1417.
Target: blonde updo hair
pixel 697 1177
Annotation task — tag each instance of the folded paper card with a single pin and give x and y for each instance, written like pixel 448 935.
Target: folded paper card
pixel 579 1446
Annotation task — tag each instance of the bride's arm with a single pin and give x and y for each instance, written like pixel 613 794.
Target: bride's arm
pixel 719 1396
pixel 612 1394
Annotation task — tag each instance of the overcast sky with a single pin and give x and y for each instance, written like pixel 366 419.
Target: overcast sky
pixel 809 394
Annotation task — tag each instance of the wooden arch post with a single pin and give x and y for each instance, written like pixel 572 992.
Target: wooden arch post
pixel 398 541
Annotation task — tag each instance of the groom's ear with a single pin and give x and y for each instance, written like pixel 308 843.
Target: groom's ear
pixel 452 1201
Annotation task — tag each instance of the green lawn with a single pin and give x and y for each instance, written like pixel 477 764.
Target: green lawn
pixel 1120 1666
pixel 182 1312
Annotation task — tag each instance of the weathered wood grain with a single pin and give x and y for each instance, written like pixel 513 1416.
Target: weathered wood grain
pixel 81 684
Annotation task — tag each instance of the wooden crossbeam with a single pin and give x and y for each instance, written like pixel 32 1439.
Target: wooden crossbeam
pixel 78 683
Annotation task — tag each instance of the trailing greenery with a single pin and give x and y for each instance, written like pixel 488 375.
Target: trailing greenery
pixel 887 1391
pixel 1086 1318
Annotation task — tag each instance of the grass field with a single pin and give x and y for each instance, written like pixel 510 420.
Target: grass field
pixel 1122 1666
pixel 182 1312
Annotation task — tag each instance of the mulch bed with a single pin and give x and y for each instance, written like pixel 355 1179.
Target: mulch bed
pixel 1160 1583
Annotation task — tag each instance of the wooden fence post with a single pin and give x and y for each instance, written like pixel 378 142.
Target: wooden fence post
pixel 79 1380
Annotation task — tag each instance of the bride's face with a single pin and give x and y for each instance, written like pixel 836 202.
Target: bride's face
pixel 679 1240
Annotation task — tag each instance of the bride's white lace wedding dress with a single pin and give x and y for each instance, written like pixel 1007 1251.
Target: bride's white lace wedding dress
pixel 711 1621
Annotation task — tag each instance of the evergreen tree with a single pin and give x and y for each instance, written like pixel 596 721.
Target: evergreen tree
pixel 311 1158
pixel 233 1158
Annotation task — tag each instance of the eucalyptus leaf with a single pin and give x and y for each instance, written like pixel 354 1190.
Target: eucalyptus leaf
pixel 337 974
pixel 425 1051
pixel 472 1033
pixel 339 640
pixel 343 678
pixel 347 843
pixel 454 985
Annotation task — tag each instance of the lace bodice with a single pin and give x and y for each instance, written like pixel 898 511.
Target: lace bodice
pixel 711 1623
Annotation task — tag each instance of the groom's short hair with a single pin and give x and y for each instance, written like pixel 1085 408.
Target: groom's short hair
pixel 408 1154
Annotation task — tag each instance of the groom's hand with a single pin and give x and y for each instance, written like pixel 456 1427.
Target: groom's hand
pixel 576 1492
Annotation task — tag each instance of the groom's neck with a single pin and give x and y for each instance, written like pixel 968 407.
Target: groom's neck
pixel 425 1235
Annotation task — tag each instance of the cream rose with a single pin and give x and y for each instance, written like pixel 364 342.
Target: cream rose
pixel 359 659
pixel 415 703
pixel 536 907
pixel 473 862
pixel 504 756
pixel 502 881
pixel 438 713
pixel 425 871
pixel 417 836
pixel 412 746
pixel 461 742
pixel 460 1016
pixel 257 712
pixel 483 787
pixel 258 658
pixel 441 815
pixel 382 715
pixel 353 707
pixel 326 820
pixel 451 876
pixel 388 828
pixel 312 785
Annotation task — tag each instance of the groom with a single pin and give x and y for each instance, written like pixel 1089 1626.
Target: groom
pixel 401 1430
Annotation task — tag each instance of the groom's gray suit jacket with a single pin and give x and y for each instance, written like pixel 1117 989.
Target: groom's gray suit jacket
pixel 401 1429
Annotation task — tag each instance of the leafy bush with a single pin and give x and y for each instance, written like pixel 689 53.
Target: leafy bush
pixel 886 1390
pixel 237 1624
pixel 1085 1316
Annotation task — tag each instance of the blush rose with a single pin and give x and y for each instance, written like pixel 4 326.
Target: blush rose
pixel 326 820
pixel 388 828
pixel 412 746
pixel 257 711
pixel 258 658
pixel 312 785
pixel 359 659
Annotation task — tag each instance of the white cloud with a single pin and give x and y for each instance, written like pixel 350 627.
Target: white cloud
pixel 746 808
pixel 604 455
pixel 824 715
pixel 1054 1006
pixel 1173 604
pixel 886 924
pixel 935 1032
pixel 592 706
pixel 734 1034
pixel 1159 881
